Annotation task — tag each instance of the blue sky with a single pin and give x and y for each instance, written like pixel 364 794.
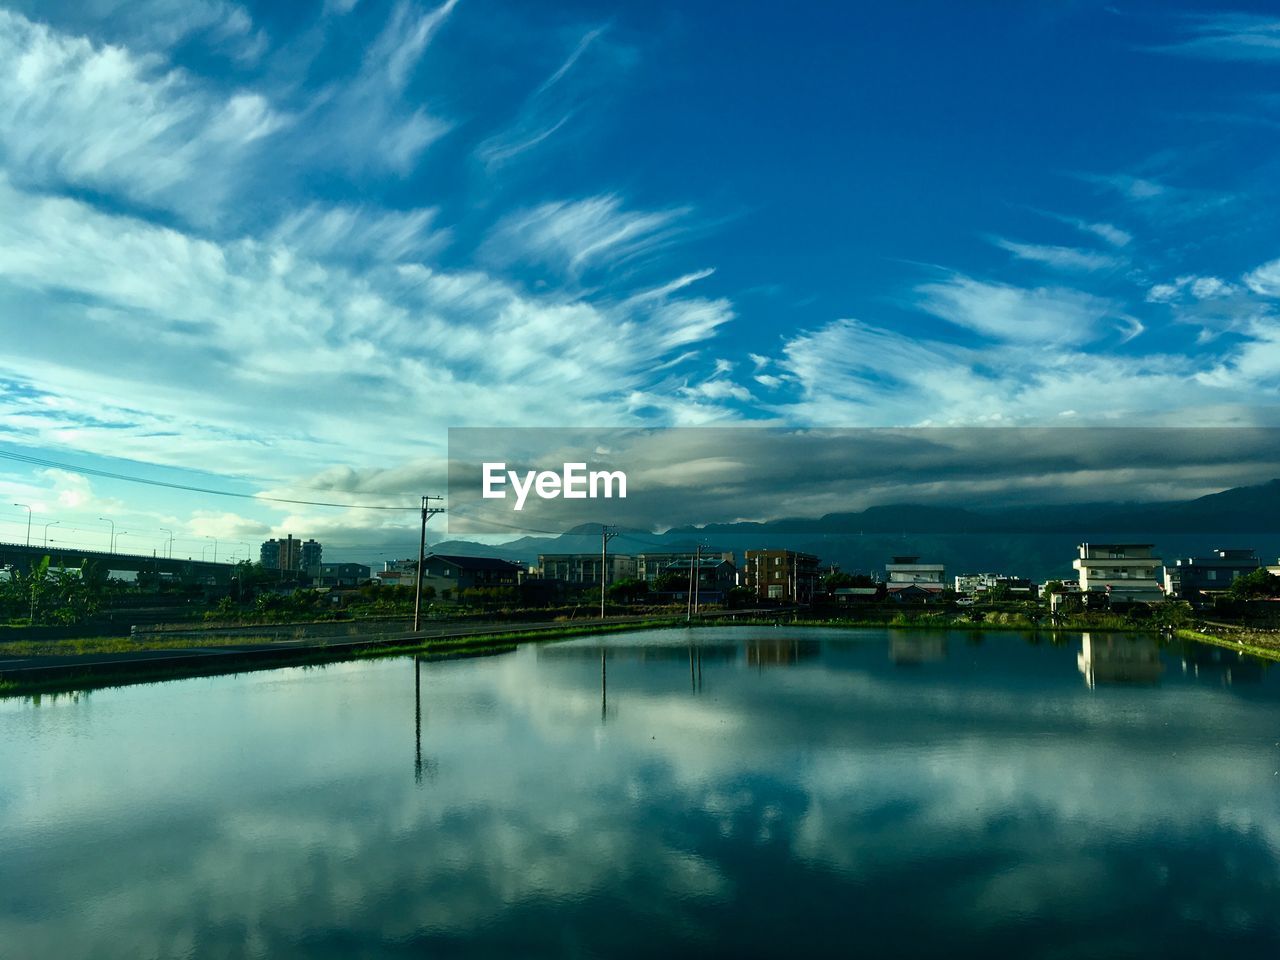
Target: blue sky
pixel 281 247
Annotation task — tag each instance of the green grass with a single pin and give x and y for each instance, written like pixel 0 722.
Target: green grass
pixel 1248 646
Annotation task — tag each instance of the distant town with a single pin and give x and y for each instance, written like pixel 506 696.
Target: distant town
pixel 56 586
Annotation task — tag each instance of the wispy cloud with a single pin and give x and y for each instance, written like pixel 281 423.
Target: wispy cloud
pixel 1228 36
pixel 361 234
pixel 370 122
pixel 246 343
pixel 97 117
pixel 580 235
pixel 549 108
pixel 1060 258
pixel 1048 315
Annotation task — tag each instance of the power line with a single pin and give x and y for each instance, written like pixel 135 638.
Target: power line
pixel 107 474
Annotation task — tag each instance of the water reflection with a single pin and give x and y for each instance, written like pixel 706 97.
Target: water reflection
pixel 1118 658
pixel 986 805
pixel 913 649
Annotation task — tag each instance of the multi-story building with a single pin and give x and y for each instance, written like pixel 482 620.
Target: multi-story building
pixel 969 584
pixel 1124 572
pixel 584 568
pixel 1194 578
pixel 781 575
pixel 310 554
pixel 283 554
pixel 650 566
pixel 907 578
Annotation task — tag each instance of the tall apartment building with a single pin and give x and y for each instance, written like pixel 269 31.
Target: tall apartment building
pixel 290 554
pixel 781 575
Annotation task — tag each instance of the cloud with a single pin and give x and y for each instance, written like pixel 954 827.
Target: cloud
pixel 1060 258
pixel 247 345
pixel 75 114
pixel 156 26
pixel 849 372
pixel 361 234
pixel 1265 280
pixel 1049 315
pixel 369 122
pixel 574 236
pixel 1198 288
pixel 1228 36
pixel 555 102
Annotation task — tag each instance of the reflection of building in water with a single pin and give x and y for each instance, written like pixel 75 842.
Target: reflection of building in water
pixel 1112 658
pixel 779 653
pixel 908 649
pixel 1228 666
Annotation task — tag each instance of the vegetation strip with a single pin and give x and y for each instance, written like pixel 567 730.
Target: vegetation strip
pixel 79 675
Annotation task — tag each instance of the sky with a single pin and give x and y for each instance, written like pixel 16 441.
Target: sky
pixel 278 249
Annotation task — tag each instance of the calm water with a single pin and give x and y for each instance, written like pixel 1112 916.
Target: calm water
pixel 763 792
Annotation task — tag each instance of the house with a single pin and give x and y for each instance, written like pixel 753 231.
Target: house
pixel 844 595
pixel 906 578
pixel 650 566
pixel 453 573
pixel 781 575
pixel 716 577
pixel 338 574
pixel 1196 578
pixel 1124 572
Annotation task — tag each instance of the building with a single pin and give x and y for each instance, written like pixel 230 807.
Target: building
pixel 650 566
pixel 1196 578
pixel 288 554
pixel 716 577
pixel 906 578
pixel 1124 572
pixel 781 575
pixel 447 572
pixel 584 568
pixel 338 574
pixel 971 584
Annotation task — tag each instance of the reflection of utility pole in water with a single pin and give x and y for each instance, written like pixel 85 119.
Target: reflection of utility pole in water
pixel 604 688
pixel 693 683
pixel 417 720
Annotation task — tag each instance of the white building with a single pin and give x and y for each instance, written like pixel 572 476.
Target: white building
pixel 908 576
pixel 1126 572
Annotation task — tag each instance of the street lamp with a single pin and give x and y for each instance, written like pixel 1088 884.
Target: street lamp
pixel 28 509
pixel 170 533
pixel 51 523
pixel 215 547
pixel 112 547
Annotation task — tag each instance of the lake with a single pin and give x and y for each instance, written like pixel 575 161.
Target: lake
pixel 728 792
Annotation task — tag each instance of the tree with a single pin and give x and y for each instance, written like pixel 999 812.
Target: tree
pixel 674 581
pixel 628 590
pixel 837 579
pixel 1256 585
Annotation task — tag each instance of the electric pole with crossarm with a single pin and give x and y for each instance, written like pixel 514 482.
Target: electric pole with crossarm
pixel 428 511
pixel 607 533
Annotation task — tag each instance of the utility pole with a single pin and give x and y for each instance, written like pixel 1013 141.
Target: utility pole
pixel 428 511
pixel 607 533
pixel 697 577
pixel 28 509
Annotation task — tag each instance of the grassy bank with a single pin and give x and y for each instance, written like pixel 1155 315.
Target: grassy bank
pixel 1266 646
pixel 74 676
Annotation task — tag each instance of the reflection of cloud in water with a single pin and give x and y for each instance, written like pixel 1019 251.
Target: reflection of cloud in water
pixel 241 814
